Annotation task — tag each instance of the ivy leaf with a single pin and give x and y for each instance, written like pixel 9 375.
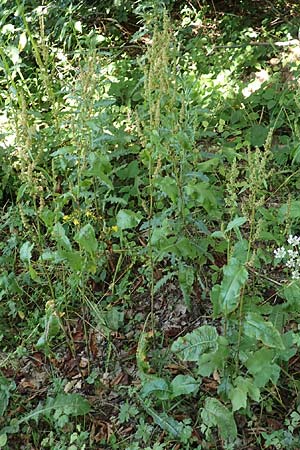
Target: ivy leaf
pixel 216 414
pixel 256 327
pixel 184 385
pixel 86 239
pixel 225 297
pixel 192 345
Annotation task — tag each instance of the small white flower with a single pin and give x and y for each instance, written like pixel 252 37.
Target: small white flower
pixel 295 275
pixel 293 254
pixel 293 240
pixel 280 253
pixel 290 263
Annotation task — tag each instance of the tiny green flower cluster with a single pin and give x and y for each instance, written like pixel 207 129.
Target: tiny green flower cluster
pixel 292 256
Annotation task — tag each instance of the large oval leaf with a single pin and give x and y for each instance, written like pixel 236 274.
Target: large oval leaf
pixel 226 297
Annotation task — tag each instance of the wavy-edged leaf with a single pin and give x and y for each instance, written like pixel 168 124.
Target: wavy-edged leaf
pixel 202 340
pixel 256 327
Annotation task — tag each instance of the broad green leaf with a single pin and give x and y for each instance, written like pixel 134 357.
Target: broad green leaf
pixel 74 259
pixel 209 362
pixel 21 191
pixel 158 234
pixel 260 364
pixel 86 239
pixel 235 223
pixel 169 187
pixel 158 387
pixel 218 234
pixel 259 135
pixel 259 359
pixel 202 340
pixel 114 318
pixel 291 210
pixel 291 293
pixel 72 404
pixel 130 171
pixel 226 297
pixel 4 394
pixel 243 387
pixel 184 385
pixel 60 236
pixel 128 219
pixel 253 391
pixel 238 396
pixel 240 251
pixel 105 180
pixel 110 319
pixel 3 440
pixel 33 274
pixel 186 281
pixel 52 327
pixel 25 252
pixel 216 414
pixel 182 247
pixel 256 327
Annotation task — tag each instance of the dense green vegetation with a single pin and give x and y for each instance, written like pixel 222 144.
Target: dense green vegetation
pixel 149 188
